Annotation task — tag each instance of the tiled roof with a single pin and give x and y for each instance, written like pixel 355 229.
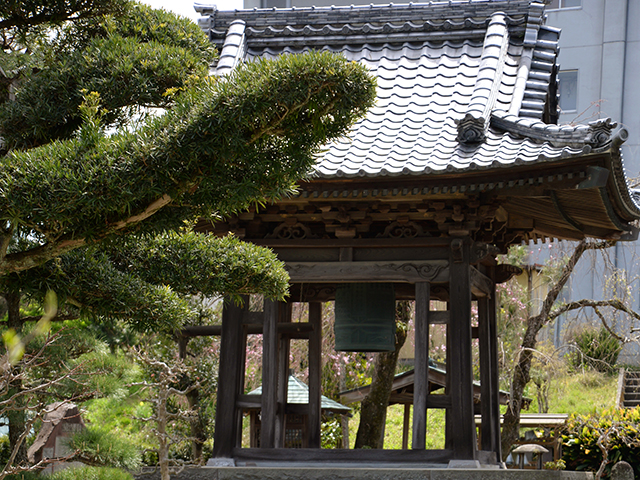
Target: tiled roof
pixel 298 393
pixel 463 85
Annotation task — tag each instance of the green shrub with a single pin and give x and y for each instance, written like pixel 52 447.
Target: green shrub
pixel 100 447
pixel 596 349
pixel 331 433
pixel 5 450
pixel 620 429
pixel 91 473
pixel 24 476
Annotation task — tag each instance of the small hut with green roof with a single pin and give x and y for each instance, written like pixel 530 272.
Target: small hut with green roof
pixel 297 414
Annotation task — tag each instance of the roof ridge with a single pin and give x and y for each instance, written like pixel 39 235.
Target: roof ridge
pixel 467 14
pixel 471 129
pixel 598 134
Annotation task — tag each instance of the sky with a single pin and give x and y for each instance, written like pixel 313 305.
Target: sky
pixel 185 7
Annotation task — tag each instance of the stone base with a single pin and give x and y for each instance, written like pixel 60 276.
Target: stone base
pixel 465 464
pixel 333 473
pixel 221 462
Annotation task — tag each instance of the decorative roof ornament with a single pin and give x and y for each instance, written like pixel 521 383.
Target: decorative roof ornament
pixel 599 132
pixel 471 130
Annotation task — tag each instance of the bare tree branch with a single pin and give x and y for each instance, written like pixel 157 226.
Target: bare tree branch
pixel 535 323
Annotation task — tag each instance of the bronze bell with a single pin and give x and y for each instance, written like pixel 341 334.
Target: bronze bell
pixel 365 317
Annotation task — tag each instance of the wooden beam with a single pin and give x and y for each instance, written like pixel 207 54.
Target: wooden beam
pixel 293 455
pixel 421 375
pixel 481 286
pixel 227 436
pixel 315 367
pixel 269 375
pixel 411 271
pixel 357 242
pixel 325 292
pixel 439 317
pixel 459 355
pixel 439 401
pixel 249 402
pixel 292 330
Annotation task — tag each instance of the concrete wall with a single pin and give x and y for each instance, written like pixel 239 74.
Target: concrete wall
pixel 601 40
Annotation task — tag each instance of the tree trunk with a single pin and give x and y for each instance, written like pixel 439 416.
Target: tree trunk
pixel 521 373
pixel 373 414
pixel 197 425
pixel 16 417
pixel 196 421
pixel 163 437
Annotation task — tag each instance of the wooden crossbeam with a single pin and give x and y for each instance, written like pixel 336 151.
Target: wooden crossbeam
pixel 481 286
pixel 413 271
pixel 291 330
pixel 292 455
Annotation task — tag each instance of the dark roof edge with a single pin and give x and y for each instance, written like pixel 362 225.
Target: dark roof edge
pixel 438 12
pixel 628 199
pixel 599 135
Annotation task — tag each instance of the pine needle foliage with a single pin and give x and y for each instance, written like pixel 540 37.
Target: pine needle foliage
pixel 94 185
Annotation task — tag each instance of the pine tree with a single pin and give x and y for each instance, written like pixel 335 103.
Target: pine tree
pixel 114 140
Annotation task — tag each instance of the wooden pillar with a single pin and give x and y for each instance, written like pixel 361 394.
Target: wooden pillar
pixel 490 383
pixel 460 371
pixel 283 376
pixel 269 409
pixel 228 433
pixel 487 395
pixel 315 365
pixel 448 422
pixel 405 426
pixel 421 382
pixel 495 378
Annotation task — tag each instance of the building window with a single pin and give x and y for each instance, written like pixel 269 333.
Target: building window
pixel 557 4
pixel 275 3
pixel 568 90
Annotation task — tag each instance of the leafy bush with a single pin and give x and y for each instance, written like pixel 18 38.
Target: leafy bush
pixel 5 450
pixel 91 473
pixel 100 447
pixel 24 476
pixel 596 349
pixel 618 430
pixel 331 433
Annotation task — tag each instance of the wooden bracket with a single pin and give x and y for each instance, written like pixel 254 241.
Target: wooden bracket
pixel 456 250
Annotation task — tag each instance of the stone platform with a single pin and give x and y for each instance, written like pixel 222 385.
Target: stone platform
pixel 361 473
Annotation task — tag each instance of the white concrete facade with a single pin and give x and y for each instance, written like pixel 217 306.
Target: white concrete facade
pixel 601 40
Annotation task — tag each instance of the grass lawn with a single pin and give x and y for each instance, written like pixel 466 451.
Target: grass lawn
pixel 393 430
pixel 581 392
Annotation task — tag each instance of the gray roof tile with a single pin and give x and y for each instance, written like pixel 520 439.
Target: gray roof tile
pixel 448 73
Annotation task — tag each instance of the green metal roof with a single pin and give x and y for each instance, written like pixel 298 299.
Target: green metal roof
pixel 298 393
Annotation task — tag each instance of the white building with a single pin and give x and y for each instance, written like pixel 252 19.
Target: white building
pixel 600 65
